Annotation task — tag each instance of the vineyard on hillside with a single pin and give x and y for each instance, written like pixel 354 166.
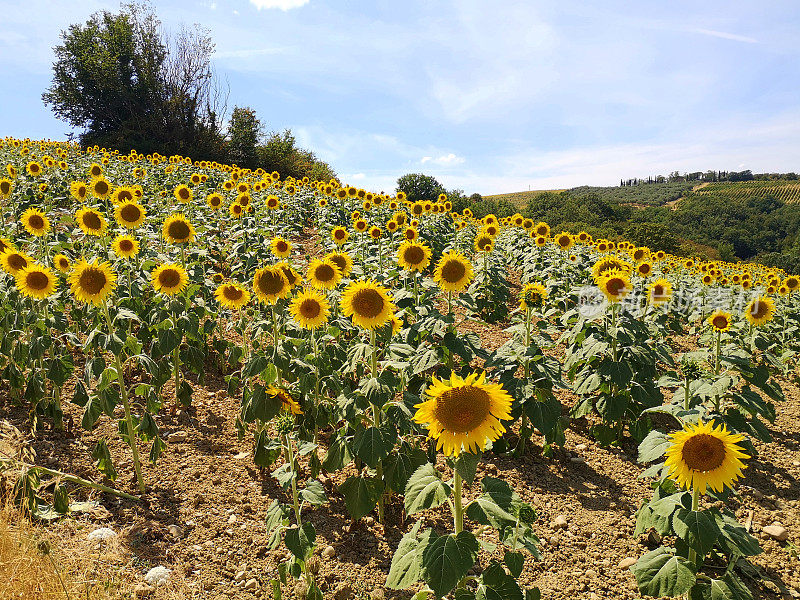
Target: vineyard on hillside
pixel 236 385
pixel 785 191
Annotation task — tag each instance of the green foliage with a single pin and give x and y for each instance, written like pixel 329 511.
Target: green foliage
pixel 119 78
pixel 417 186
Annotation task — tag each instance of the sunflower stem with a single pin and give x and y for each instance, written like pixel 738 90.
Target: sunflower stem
pixel 716 353
pixel 695 508
pixel 137 466
pixel 458 509
pixel 376 422
pixel 290 458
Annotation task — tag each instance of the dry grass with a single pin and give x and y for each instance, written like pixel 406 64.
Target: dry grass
pixel 27 567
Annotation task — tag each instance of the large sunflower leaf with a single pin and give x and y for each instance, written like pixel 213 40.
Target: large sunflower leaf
pixel 447 559
pixel 425 489
pixel 661 573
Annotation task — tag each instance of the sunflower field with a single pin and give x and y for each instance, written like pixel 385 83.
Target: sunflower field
pixel 350 331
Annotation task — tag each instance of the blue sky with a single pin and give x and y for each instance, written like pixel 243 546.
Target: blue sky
pixel 489 97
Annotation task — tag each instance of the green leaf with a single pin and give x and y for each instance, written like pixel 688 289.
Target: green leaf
pixel 399 466
pixel 360 495
pixel 314 493
pixel 447 559
pixel 156 449
pixel 496 584
pixel 425 489
pixel 372 445
pixel 653 446
pixel 300 541
pixel 697 528
pixel 337 456
pixel 406 567
pixel 730 587
pixel 466 465
pixel 515 562
pixel 661 573
pixel 60 499
pixel 102 458
pixel 486 511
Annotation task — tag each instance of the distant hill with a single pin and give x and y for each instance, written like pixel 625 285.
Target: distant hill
pixel 785 191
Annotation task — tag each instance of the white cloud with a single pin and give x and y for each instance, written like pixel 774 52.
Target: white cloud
pixel 356 176
pixel 726 36
pixel 281 4
pixel 444 160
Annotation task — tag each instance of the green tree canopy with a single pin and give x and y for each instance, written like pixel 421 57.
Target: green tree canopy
pixel 420 187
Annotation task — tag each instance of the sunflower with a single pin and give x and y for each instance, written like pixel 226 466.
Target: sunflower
pixel 564 240
pixel 14 261
pixel 453 272
pixel 129 214
pixel 236 210
pixel 483 243
pixel 293 277
pixel 368 303
pixel 462 414
pixel 615 285
pixel 760 310
pixel 720 320
pixel 177 229
pixel 91 221
pixel 542 229
pixel 281 247
pixel 360 225
pixel 410 234
pixel 35 222
pixel 100 188
pixel 270 284
pixel 92 282
pixel 341 260
pixel 339 235
pixel 95 170
pixel 182 193
pixel 375 232
pixel 533 294
pixel 62 263
pixel 273 203
pixel 310 309
pixel 792 282
pixel 33 168
pixel 702 456
pixel 610 263
pixel 125 246
pixel 659 292
pixel 324 274
pixel 6 185
pixel 214 200
pixel 644 268
pixel 288 404
pixel 413 256
pixel 36 281
pixel 123 194
pixel 169 279
pixel 232 295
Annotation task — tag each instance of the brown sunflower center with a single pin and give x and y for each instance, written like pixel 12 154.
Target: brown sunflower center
pixel 282 246
pixel 37 280
pixel 270 283
pixel 453 271
pixel 130 213
pixel 92 280
pixel 126 245
pixel 92 220
pixel 368 303
pixel 414 255
pixel 324 273
pixel 36 222
pixel 272 202
pixel 703 452
pixel 63 263
pixel 233 293
pixel 184 193
pixel 658 291
pixel 462 409
pixel 5 187
pixel 484 242
pixel 125 195
pixel 101 187
pixel 339 234
pixel 310 308
pixel 169 278
pixel 340 261
pixel 179 230
pixel 759 309
pixel 615 286
pixel 96 171
pixel 17 261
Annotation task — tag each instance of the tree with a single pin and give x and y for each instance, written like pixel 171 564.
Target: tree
pixel 420 187
pixel 244 136
pixel 127 85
